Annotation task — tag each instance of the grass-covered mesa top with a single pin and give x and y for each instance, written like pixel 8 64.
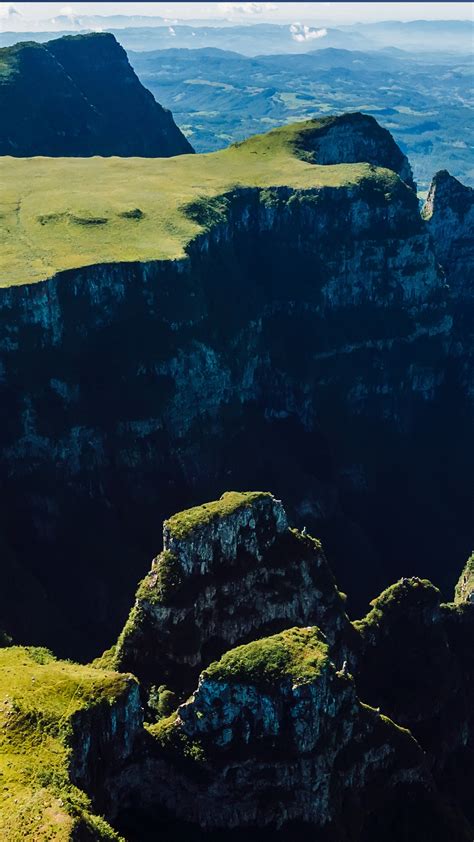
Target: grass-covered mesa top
pixel 65 213
pixel 183 523
pixel 297 654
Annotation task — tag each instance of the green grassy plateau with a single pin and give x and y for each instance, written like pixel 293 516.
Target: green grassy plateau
pixel 38 698
pixel 64 213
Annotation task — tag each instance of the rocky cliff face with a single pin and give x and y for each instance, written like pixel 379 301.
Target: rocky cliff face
pixel 305 343
pixel 78 96
pixel 275 734
pixel 449 213
pixel 287 735
pixel 229 572
pixel 416 663
pixel 357 137
pixel 465 585
pixel 281 740
pixel 138 388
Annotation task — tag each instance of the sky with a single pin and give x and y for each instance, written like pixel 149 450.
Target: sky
pixel 16 15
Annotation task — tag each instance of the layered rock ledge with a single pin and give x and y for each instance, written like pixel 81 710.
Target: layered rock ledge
pixel 230 570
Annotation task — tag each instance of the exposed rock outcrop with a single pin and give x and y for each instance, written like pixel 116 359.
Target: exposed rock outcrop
pixel 417 664
pixel 275 733
pixel 275 740
pixel 465 586
pixel 449 212
pixel 230 571
pixel 356 137
pixel 79 96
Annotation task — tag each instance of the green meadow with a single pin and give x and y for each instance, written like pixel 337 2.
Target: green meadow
pixel 64 213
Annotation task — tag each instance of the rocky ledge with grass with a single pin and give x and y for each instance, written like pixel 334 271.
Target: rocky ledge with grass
pixel 321 729
pixel 275 737
pixel 230 570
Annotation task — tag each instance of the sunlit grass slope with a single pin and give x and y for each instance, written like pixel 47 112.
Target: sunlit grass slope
pixel 38 698
pixel 63 213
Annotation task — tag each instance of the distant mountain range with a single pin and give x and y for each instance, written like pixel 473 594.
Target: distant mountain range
pixel 219 97
pixel 142 33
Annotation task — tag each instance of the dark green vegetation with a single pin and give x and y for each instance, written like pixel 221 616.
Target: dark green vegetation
pixel 219 97
pixel 79 96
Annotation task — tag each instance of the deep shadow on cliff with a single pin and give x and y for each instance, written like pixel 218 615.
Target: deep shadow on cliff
pixel 296 723
pixel 309 343
pixel 79 96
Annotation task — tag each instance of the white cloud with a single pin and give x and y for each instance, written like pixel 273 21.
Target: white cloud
pixel 7 11
pixel 246 8
pixel 300 32
pixel 171 30
pixel 66 10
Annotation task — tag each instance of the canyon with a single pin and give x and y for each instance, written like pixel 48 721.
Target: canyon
pixel 310 337
pixel 175 328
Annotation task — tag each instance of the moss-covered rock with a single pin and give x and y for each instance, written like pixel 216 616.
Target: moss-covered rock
pixel 230 571
pixel 184 523
pixel 296 655
pixel 272 735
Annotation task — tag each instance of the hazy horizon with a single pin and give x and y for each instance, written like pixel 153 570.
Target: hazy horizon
pixel 31 16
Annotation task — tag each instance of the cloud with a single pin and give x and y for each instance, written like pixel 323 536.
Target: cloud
pixel 246 8
pixel 7 11
pixel 66 10
pixel 171 30
pixel 300 32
